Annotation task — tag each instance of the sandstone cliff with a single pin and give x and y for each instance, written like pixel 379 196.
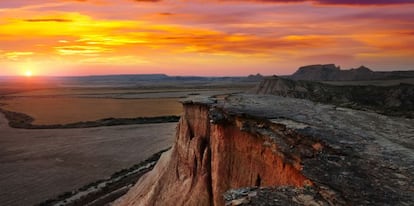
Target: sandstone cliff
pixel 296 151
pixel 207 159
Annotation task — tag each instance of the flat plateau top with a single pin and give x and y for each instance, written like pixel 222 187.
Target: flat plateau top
pixel 368 158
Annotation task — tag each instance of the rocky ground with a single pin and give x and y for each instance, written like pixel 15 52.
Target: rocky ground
pixel 286 151
pixel 270 196
pixel 364 159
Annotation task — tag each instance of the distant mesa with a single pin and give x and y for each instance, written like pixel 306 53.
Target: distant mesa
pixel 255 77
pixel 331 72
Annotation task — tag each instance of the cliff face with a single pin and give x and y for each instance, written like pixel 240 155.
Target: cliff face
pixel 183 175
pixel 208 159
pixel 297 151
pixel 395 100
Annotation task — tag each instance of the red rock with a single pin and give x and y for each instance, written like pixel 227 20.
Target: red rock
pixel 208 159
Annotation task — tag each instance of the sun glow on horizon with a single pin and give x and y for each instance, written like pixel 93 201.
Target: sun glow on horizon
pixel 99 37
pixel 28 73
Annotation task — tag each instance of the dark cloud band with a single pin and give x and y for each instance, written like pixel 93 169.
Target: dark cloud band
pixel 48 20
pixel 365 2
pixel 340 2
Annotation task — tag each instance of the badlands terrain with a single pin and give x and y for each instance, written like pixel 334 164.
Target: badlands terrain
pixel 268 148
pixel 239 140
pixel 271 149
pixel 53 153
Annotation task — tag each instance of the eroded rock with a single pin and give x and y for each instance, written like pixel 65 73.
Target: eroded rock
pixel 318 155
pixel 396 100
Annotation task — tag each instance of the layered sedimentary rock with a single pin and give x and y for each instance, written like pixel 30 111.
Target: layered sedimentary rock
pixel 390 100
pixel 316 154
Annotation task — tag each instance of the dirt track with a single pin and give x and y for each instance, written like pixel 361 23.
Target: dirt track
pixel 39 164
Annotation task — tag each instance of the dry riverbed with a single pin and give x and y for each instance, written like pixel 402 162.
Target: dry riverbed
pixel 36 165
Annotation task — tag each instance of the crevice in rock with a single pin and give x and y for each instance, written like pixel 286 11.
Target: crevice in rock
pixel 258 181
pixel 190 129
pixel 209 176
pixel 195 165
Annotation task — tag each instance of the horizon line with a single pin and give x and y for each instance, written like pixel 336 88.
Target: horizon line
pixel 134 74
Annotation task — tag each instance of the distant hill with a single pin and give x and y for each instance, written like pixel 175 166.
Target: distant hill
pixel 150 79
pixel 331 72
pixel 11 84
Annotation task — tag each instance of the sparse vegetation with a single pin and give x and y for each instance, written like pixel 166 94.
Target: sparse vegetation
pixel 119 179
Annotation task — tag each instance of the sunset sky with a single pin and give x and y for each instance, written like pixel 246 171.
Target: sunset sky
pixel 202 37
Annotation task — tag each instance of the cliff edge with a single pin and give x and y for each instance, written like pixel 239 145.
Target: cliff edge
pixel 284 151
pixel 397 100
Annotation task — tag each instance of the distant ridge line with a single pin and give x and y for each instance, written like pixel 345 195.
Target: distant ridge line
pixel 331 72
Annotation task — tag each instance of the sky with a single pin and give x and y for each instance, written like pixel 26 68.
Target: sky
pixel 202 37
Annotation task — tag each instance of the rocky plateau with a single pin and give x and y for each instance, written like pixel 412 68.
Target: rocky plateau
pixel 251 149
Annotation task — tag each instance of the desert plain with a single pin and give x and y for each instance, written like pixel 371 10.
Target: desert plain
pixel 40 164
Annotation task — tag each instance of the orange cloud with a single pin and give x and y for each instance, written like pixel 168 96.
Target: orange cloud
pixel 178 36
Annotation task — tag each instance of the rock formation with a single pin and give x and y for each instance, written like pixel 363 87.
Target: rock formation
pixel 330 72
pixel 286 151
pixel 316 72
pixel 395 100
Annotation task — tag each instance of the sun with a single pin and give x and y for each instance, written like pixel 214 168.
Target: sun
pixel 28 73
